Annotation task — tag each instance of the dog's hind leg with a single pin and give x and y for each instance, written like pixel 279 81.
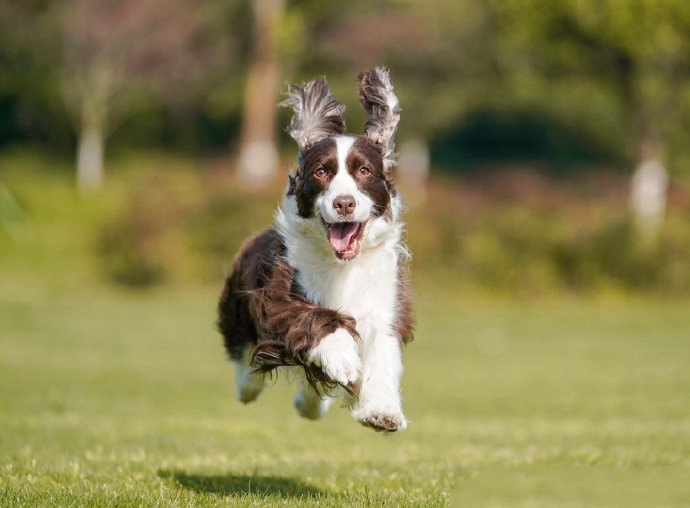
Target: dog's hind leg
pixel 249 383
pixel 310 404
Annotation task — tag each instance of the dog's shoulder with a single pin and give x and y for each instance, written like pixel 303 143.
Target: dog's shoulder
pixel 263 244
pixel 240 302
pixel 257 258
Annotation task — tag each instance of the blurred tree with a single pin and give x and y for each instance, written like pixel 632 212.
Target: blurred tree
pixel 30 108
pixel 258 155
pixel 111 49
pixel 637 51
pixel 449 72
pixel 288 40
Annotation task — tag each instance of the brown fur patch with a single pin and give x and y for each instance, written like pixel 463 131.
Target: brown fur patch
pixel 259 306
pixel 308 186
pixel 376 184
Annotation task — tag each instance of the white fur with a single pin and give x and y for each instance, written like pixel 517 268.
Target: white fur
pixel 343 185
pixel 364 288
pixel 316 113
pixel 249 383
pixel 379 396
pixel 383 121
pixel 338 356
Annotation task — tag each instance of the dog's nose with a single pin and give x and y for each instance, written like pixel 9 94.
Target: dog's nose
pixel 344 205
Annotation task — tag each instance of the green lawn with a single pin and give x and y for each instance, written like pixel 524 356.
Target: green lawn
pixel 125 399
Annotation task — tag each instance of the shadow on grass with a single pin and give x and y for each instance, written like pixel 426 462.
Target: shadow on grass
pixel 230 485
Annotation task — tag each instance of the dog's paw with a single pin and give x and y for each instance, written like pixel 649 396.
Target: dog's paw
pixel 249 383
pixel 310 406
pixel 338 357
pixel 384 419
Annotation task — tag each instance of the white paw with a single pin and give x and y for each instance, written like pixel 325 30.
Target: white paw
pixel 249 383
pixel 338 356
pixel 383 418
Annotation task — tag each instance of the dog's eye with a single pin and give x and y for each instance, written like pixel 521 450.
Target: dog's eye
pixel 319 172
pixel 364 171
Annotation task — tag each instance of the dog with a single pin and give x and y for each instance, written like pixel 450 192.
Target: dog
pixel 326 288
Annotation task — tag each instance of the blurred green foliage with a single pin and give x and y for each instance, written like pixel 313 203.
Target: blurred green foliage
pixel 504 135
pixel 166 220
pixel 607 74
pixel 530 234
pixel 187 230
pixel 568 90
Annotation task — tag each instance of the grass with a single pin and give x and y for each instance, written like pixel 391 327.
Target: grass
pixel 113 398
pixel 124 399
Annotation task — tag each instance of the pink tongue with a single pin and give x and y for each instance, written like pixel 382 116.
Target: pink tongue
pixel 340 235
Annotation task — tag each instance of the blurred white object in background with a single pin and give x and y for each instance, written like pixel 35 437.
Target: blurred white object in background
pixel 413 169
pixel 90 156
pixel 648 198
pixel 257 163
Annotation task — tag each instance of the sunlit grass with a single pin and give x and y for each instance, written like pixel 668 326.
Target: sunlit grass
pixel 124 398
pixel 119 399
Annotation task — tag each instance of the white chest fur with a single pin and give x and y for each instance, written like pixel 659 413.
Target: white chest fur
pixel 364 288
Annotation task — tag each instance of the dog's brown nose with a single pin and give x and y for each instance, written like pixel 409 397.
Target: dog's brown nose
pixel 344 205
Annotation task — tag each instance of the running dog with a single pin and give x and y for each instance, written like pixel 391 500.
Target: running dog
pixel 326 287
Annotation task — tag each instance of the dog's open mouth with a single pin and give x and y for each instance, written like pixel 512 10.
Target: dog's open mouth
pixel 344 237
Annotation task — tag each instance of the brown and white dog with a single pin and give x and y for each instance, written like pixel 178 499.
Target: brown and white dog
pixel 325 288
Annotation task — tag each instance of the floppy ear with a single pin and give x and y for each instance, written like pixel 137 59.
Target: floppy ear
pixel 317 113
pixel 381 104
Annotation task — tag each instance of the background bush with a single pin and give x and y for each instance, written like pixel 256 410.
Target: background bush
pixel 538 234
pixel 187 229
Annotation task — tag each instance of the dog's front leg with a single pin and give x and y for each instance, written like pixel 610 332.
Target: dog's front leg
pixel 309 334
pixel 337 354
pixel 379 405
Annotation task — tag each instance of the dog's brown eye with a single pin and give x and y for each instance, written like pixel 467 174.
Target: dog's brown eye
pixel 319 172
pixel 364 171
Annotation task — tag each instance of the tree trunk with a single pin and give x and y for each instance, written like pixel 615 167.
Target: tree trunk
pixel 258 155
pixel 93 107
pixel 648 190
pixel 90 154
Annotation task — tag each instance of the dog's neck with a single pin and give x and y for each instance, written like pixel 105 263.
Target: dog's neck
pixel 332 282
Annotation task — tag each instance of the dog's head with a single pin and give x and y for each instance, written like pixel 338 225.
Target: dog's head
pixel 343 180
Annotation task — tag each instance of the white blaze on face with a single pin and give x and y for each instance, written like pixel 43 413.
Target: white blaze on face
pixel 343 185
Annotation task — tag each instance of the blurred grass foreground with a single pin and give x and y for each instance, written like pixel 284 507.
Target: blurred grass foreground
pixel 545 165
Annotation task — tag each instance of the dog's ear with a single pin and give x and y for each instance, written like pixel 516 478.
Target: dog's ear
pixel 381 104
pixel 317 113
